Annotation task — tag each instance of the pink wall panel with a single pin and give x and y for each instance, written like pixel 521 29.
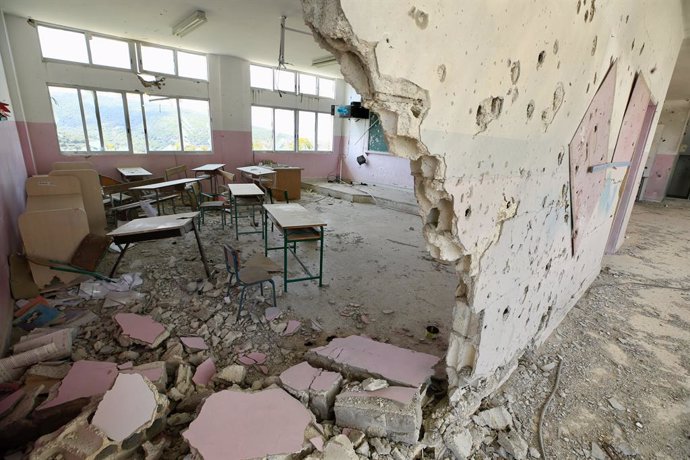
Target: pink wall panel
pixel 658 177
pixel 12 178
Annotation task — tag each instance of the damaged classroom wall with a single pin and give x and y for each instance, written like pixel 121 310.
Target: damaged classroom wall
pixel 227 89
pixel 12 177
pixel 488 121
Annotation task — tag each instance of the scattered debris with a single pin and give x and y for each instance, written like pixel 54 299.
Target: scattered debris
pixel 142 329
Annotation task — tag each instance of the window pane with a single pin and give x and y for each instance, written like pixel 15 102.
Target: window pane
pixel 261 77
pixel 156 59
pixel 262 128
pixel 307 84
pixel 285 81
pixel 325 134
pixel 196 125
pixel 192 65
pixel 307 131
pixel 112 53
pixel 112 112
pixel 136 123
pixel 63 44
pixel 88 100
pixel 285 129
pixel 162 125
pixel 327 88
pixel 68 120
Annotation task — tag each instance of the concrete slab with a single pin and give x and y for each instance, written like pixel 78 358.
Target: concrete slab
pixel 343 191
pixel 363 357
pixel 234 425
pixel 314 387
pixel 126 407
pixel 84 379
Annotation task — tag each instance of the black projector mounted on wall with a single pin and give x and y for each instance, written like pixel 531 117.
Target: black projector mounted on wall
pixel 354 110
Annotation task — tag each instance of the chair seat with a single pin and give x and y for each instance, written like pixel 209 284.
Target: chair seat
pixel 251 275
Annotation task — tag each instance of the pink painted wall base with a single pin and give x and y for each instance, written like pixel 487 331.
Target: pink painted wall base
pixel 659 176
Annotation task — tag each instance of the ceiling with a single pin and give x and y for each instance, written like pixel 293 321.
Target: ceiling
pixel 249 29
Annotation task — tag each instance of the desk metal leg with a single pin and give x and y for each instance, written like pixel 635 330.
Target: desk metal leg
pixel 265 235
pixel 285 260
pixel 158 202
pixel 119 258
pixel 321 260
pixel 201 250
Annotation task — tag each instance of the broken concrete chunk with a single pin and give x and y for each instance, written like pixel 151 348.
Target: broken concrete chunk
pixel 156 372
pixel 616 405
pixel 126 407
pixel 513 444
pixel 315 388
pixel 238 425
pixel 496 418
pixel 374 384
pixel 233 374
pixel 393 412
pixel 459 442
pixel 597 453
pixel 142 329
pixel 359 356
pixel 339 448
pixel 204 372
pixel 84 379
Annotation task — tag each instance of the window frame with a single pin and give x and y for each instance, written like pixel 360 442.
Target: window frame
pixel 295 112
pixel 298 75
pixel 128 127
pixel 135 58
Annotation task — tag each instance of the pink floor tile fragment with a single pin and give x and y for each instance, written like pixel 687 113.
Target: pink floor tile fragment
pixel 292 327
pixel 194 343
pixel 128 406
pixel 272 313
pixel 303 376
pixel 11 400
pixel 204 372
pixel 234 425
pixel 84 379
pixel 127 365
pixel 139 327
pixel 252 358
pixel 317 442
pixel 397 365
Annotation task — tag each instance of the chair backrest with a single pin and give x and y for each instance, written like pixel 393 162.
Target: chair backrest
pixel 278 192
pixel 170 173
pixel 195 192
pixel 227 176
pixel 232 259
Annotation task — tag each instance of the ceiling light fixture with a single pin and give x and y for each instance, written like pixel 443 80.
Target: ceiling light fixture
pixel 324 61
pixel 189 23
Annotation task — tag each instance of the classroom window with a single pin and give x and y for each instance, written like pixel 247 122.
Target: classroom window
pixel 275 129
pixel 64 45
pixel 109 52
pixel 291 82
pixel 191 65
pixel 115 121
pixel 154 59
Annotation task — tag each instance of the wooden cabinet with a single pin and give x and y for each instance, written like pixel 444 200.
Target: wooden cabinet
pixel 288 178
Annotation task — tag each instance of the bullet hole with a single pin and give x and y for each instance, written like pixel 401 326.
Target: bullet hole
pixel 653 70
pixel 587 90
pixel 641 49
pixel 516 93
pixel 561 154
pixel 468 212
pixel 515 72
pixel 594 45
pixel 632 47
pixel 595 78
pixel 530 109
pixel 506 313
pixel 433 216
pixel 555 47
pixel 421 19
pixel 579 5
pixel 627 18
pixel 596 128
pixel 586 15
pixel 416 111
pixel 441 73
pixel 548 266
pixel 540 59
pixel 489 110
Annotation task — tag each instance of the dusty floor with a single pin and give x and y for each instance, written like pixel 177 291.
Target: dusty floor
pixel 625 352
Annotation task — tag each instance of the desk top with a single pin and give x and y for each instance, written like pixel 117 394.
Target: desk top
pixel 134 171
pixel 210 167
pixel 256 170
pixel 293 215
pixel 245 190
pixel 169 183
pixel 154 224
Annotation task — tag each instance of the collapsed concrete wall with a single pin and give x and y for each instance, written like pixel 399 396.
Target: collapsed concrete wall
pixel 484 98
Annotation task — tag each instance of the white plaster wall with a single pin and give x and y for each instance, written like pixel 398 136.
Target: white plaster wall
pixel 498 199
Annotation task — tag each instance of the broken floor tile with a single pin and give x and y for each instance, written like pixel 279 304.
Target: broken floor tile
pixel 238 425
pixel 272 313
pixel 194 343
pixel 314 387
pixel 142 328
pixel 393 412
pixel 292 327
pixel 8 402
pixel 126 407
pixel 84 379
pixel 156 372
pixel 317 442
pixel 204 372
pixel 252 358
pixel 363 357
